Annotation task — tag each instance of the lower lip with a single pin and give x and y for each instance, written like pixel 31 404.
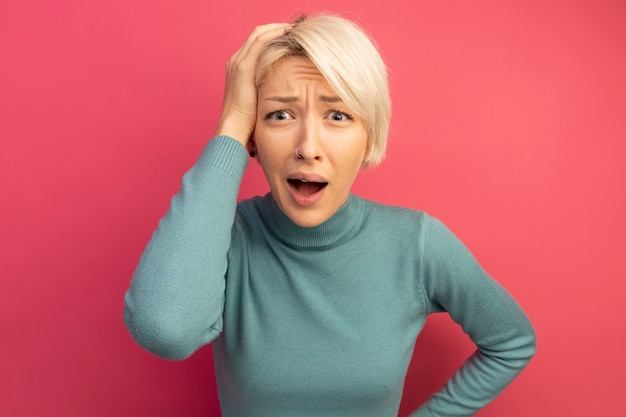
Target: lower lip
pixel 302 199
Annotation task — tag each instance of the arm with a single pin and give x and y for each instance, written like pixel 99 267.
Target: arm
pixel 176 298
pixel 175 301
pixel 505 339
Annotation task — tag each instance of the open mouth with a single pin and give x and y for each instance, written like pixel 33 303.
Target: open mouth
pixel 305 187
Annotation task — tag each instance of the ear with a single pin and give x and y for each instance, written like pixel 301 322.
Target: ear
pixel 251 147
pixel 367 155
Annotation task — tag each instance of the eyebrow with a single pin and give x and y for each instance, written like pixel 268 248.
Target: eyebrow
pixel 290 99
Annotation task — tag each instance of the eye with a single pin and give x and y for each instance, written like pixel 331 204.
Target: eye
pixel 339 116
pixel 278 115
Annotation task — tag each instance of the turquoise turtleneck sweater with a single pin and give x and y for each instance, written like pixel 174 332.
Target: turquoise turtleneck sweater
pixel 321 321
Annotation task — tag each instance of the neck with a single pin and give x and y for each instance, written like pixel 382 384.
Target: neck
pixel 339 226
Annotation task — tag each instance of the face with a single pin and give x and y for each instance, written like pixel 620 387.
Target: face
pixel 297 109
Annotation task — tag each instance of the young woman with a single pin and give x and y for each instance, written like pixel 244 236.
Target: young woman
pixel 312 296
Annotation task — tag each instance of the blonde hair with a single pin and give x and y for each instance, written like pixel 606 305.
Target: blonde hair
pixel 349 60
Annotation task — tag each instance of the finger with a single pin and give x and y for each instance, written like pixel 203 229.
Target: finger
pixel 259 37
pixel 262 30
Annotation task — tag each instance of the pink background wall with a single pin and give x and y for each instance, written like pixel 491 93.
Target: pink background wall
pixel 509 124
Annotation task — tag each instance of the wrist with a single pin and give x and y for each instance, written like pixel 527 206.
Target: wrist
pixel 237 130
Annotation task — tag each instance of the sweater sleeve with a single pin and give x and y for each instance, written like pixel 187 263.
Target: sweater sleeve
pixel 176 297
pixel 505 339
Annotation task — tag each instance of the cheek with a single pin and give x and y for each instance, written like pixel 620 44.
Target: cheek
pixel 269 169
pixel 269 155
pixel 352 152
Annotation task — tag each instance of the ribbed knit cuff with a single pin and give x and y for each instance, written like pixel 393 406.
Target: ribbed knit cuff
pixel 421 412
pixel 227 154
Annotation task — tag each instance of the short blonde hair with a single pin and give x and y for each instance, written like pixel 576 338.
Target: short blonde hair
pixel 351 63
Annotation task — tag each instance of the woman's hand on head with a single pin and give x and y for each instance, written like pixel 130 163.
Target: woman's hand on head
pixel 239 107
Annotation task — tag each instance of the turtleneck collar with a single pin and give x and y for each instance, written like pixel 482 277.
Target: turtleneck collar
pixel 341 225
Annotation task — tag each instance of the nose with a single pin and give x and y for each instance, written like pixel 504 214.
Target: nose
pixel 309 145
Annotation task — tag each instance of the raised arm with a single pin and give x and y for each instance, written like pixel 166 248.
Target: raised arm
pixel 505 339
pixel 176 297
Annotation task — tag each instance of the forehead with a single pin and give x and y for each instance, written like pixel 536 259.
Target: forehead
pixel 292 73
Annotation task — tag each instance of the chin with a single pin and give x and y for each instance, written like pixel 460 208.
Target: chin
pixel 307 219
